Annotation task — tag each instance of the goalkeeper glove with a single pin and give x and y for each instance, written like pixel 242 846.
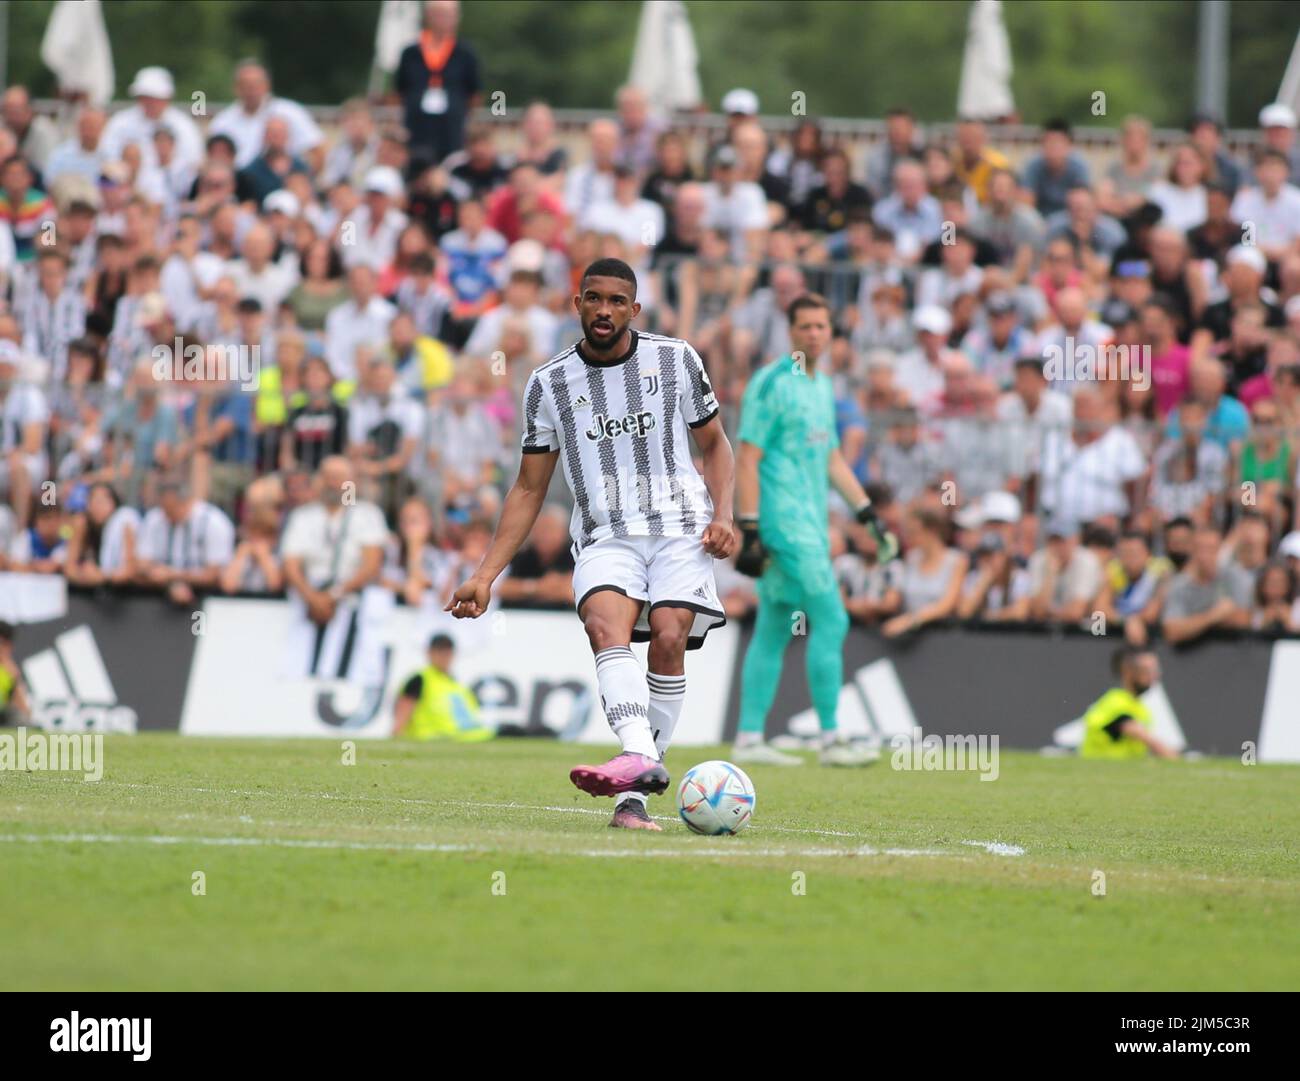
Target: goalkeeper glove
pixel 752 558
pixel 886 542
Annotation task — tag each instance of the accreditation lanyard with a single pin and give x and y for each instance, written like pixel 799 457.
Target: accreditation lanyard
pixel 436 55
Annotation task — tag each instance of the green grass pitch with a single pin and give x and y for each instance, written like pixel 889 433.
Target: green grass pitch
pixel 480 867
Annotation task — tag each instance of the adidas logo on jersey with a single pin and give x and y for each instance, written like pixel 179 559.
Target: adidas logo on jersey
pixel 581 402
pixel 700 592
pixel 604 427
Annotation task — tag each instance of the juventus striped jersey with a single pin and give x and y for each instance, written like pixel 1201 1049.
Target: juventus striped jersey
pixel 621 428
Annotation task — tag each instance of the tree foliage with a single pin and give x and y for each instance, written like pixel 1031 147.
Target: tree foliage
pixel 848 57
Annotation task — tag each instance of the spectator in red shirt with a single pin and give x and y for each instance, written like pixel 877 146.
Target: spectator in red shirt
pixel 509 205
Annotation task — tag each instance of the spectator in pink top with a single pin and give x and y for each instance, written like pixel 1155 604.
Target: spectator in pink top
pixel 1170 360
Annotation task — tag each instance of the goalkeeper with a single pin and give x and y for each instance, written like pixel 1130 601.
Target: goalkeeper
pixel 788 457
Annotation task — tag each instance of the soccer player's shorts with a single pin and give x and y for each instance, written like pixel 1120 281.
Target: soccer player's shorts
pixel 661 572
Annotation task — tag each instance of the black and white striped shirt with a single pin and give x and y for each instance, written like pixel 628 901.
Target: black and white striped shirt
pixel 621 428
pixel 49 325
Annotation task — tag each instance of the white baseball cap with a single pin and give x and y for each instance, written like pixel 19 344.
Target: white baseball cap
pixel 969 517
pixel 934 319
pixel 152 82
pixel 1277 115
pixel 1243 253
pixel 526 255
pixel 1290 545
pixel 283 202
pixel 1000 507
pixel 385 180
pixel 741 101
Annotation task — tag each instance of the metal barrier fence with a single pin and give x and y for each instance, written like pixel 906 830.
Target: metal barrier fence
pixel 1074 470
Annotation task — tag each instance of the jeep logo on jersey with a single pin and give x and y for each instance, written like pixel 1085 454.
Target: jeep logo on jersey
pixel 603 427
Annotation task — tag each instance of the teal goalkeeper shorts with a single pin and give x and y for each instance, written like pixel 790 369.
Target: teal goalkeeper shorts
pixel 796 572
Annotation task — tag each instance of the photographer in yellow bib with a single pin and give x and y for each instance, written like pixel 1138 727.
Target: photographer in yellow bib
pixel 1119 724
pixel 433 705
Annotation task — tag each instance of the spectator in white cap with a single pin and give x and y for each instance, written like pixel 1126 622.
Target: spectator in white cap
pixel 739 106
pixel 1277 124
pixel 153 91
pixel 739 103
pixel 1289 548
pixel 1243 278
pixel 369 234
pixel 1271 205
pixel 244 122
pixel 282 202
pixel 920 370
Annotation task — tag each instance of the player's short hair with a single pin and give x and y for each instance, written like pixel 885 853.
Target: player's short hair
pixel 441 641
pixel 610 268
pixel 805 301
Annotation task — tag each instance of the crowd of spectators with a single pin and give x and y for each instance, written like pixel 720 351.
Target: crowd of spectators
pixel 1071 383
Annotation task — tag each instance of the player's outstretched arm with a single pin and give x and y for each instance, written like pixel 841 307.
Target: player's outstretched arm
pixel 720 478
pixel 522 505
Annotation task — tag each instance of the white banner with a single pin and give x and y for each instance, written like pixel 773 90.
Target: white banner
pixel 527 668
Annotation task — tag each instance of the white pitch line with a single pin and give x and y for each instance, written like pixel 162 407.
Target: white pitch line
pixel 345 798
pixel 379 846
pixel 229 842
pixel 997 848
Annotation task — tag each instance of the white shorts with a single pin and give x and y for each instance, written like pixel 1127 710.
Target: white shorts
pixel 662 572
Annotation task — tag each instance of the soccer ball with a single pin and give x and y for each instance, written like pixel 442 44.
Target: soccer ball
pixel 715 798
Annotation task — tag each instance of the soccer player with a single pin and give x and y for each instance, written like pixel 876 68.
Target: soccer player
pixel 1118 724
pixel 619 408
pixel 789 451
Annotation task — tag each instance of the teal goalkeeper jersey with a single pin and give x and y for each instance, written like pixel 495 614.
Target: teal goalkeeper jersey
pixel 790 416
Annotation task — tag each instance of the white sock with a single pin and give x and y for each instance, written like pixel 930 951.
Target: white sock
pixel 667 693
pixel 625 697
pixel 748 739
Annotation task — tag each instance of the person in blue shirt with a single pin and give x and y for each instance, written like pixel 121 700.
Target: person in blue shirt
pixel 1055 170
pixel 1227 421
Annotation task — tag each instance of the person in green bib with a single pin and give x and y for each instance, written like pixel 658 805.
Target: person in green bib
pixel 13 694
pixel 1119 724
pixel 788 459
pixel 433 705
